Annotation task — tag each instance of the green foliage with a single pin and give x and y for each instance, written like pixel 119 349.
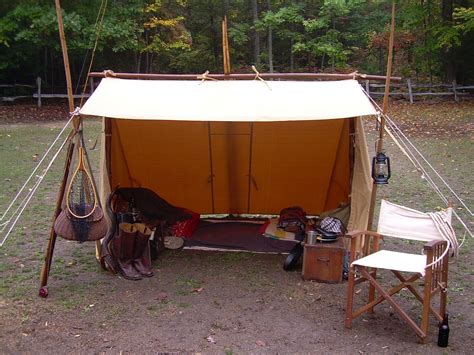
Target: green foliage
pixel 464 18
pixel 185 36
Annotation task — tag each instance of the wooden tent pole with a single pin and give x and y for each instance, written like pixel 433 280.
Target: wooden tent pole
pixel 67 70
pixel 52 235
pixel 384 112
pixel 76 123
pixel 225 47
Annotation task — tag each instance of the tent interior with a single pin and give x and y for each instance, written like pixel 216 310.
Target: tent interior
pixel 237 147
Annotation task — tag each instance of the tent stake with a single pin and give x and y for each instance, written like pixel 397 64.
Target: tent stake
pixel 384 112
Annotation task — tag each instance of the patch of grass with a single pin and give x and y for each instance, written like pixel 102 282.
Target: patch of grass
pixel 68 303
pixel 25 318
pixel 115 311
pixel 219 326
pixel 189 283
pixel 152 308
pixel 234 257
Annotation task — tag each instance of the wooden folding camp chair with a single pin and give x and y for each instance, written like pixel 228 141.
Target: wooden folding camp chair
pixel 429 269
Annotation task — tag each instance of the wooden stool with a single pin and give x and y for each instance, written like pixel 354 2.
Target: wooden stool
pixel 323 261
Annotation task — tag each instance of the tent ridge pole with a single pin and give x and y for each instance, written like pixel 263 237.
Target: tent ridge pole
pixel 249 76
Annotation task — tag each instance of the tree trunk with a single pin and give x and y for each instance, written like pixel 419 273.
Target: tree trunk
pixel 225 7
pixel 45 67
pixel 150 65
pixel 448 53
pixel 138 59
pixel 215 40
pixel 256 37
pixel 53 68
pixel 147 54
pixel 333 58
pixel 292 56
pixel 381 61
pixel 270 43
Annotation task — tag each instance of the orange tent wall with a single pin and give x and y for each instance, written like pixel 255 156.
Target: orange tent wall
pixel 235 167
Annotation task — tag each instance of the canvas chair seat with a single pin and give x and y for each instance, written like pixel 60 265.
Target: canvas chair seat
pixel 392 260
pixel 429 268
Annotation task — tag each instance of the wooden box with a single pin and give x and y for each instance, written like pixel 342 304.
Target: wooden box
pixel 323 261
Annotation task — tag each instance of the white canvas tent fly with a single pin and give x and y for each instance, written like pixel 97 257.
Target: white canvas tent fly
pixel 237 146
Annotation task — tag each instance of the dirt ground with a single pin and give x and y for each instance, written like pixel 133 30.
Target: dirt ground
pixel 215 302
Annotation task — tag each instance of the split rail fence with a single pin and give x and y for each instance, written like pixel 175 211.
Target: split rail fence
pixel 411 90
pixel 38 94
pixel 407 90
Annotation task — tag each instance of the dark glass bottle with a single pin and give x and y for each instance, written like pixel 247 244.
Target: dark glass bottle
pixel 443 334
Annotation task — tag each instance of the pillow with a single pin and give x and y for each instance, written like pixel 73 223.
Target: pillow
pixel 186 228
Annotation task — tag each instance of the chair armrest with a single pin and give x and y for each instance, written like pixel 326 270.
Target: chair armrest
pixel 354 234
pixel 432 244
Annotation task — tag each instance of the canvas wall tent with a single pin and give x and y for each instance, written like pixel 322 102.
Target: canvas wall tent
pixel 237 146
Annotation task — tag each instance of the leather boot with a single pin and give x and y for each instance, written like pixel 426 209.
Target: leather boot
pixel 110 250
pixel 127 236
pixel 142 258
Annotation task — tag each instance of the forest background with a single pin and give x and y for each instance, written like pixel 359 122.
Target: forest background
pixel 434 40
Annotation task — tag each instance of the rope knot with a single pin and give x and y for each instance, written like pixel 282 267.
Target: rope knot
pixel 109 73
pixel 75 112
pixel 205 76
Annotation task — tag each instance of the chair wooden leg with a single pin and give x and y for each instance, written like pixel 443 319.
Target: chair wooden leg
pixel 372 292
pixel 350 297
pixel 425 314
pixel 442 302
pixel 444 289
